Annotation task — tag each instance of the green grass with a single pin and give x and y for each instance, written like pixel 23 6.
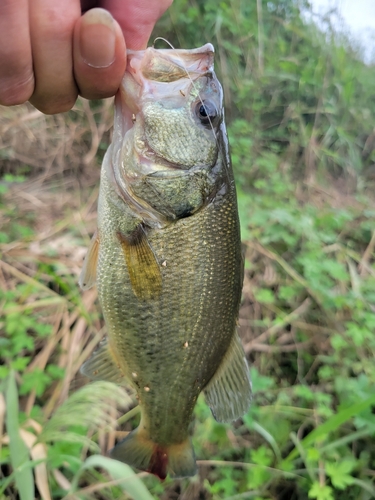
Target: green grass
pixel 300 113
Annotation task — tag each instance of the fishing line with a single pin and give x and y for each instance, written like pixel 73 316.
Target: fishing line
pixel 164 40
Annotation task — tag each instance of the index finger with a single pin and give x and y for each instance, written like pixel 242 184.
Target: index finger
pixel 16 67
pixel 137 18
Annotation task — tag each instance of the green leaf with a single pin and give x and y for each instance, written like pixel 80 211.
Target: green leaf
pixel 19 454
pixel 130 482
pixel 261 456
pixel 340 473
pixel 321 492
pixel 36 380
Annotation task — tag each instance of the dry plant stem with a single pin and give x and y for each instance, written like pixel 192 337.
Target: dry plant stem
pixel 32 199
pixel 260 37
pixel 41 360
pixel 61 479
pixel 3 282
pixel 314 328
pixel 273 330
pixel 226 72
pixel 111 436
pixel 278 348
pixel 287 268
pixel 89 349
pixel 293 274
pixel 75 346
pixel 27 279
pixel 125 418
pixel 97 131
pixel 313 146
pixel 363 266
pixel 20 119
pixel 72 344
pixel 243 465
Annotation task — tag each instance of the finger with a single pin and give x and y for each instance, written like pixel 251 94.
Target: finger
pixel 51 26
pixel 99 54
pixel 137 18
pixel 16 67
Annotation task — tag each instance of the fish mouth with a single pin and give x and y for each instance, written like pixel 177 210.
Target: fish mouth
pixel 170 65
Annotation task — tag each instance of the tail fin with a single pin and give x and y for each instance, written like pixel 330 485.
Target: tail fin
pixel 138 451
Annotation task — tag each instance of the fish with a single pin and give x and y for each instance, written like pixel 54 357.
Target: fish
pixel 166 257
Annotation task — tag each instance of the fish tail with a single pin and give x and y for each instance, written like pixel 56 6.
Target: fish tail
pixel 141 452
pixel 181 460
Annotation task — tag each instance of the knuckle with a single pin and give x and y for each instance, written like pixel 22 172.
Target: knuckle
pixel 15 91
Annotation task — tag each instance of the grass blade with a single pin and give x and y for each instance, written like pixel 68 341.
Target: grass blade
pixel 18 450
pixel 131 485
pixel 332 424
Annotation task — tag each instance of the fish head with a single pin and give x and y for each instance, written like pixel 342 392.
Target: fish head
pixel 175 100
pixel 168 121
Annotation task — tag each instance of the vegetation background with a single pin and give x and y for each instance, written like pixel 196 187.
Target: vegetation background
pixel 300 106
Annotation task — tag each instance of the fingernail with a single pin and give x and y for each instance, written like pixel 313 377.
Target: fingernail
pixel 97 38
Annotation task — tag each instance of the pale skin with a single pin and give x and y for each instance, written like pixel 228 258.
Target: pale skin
pixel 50 52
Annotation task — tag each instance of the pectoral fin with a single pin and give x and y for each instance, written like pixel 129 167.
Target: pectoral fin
pixel 144 270
pixel 102 365
pixel 87 277
pixel 228 394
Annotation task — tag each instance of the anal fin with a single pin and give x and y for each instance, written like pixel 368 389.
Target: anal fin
pixel 87 277
pixel 102 365
pixel 144 269
pixel 228 394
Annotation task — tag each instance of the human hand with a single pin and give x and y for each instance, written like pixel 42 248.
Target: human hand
pixel 50 52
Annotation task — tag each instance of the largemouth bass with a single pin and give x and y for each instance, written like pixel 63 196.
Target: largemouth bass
pixel 167 257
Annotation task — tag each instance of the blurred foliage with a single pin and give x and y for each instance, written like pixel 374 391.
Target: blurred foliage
pixel 300 110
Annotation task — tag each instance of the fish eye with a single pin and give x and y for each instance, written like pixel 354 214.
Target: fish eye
pixel 207 112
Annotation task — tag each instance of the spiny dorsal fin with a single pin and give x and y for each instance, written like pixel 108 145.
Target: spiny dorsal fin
pixel 228 394
pixel 87 278
pixel 102 365
pixel 144 270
